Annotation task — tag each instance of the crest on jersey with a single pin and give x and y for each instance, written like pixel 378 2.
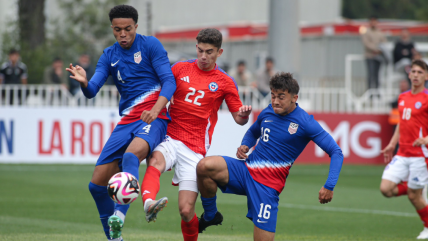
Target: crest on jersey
pixel 137 57
pixel 418 105
pixel 292 128
pixel 213 86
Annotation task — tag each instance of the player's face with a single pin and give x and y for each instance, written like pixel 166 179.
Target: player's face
pixel 417 76
pixel 124 30
pixel 283 102
pixel 207 55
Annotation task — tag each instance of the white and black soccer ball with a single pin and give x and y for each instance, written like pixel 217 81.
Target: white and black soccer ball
pixel 123 188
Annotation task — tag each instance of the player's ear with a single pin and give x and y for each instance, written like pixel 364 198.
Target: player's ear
pixel 136 26
pixel 220 52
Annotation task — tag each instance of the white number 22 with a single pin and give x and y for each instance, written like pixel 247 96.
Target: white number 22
pixel 193 91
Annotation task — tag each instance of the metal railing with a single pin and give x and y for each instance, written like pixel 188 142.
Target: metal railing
pixel 312 99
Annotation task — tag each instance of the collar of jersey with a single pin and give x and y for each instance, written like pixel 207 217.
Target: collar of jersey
pixel 205 72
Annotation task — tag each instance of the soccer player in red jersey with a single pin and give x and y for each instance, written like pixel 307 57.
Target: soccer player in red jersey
pixel 201 88
pixel 412 135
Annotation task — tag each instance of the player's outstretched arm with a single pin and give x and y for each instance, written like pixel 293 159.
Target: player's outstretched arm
pixel 388 151
pixel 325 195
pixel 241 116
pixel 79 74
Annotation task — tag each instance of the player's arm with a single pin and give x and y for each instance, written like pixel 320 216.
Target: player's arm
pixel 421 141
pixel 241 116
pixel 249 140
pixel 91 88
pixel 326 142
pixel 160 63
pixel 388 151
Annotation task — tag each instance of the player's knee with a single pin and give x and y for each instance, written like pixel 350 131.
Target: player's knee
pixel 414 197
pixel 204 166
pixel 186 213
pixel 386 192
pixel 155 162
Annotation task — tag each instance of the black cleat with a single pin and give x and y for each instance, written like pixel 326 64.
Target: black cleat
pixel 203 224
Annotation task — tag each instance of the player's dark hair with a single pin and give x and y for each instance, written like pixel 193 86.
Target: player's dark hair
pixel 241 62
pixel 210 36
pixel 123 11
pixel 421 64
pixel 13 51
pixel 284 81
pixel 269 59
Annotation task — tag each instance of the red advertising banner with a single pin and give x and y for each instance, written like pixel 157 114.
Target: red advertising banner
pixel 360 136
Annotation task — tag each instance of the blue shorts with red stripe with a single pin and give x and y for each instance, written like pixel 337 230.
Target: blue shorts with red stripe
pixel 262 201
pixel 122 136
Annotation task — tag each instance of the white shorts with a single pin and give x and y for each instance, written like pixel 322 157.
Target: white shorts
pixel 184 161
pixel 413 169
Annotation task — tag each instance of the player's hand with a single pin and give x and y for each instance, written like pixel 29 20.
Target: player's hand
pixel 325 195
pixel 388 153
pixel 244 111
pixel 420 141
pixel 149 116
pixel 79 74
pixel 242 152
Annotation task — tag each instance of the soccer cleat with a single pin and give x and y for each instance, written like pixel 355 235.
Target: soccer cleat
pixel 116 225
pixel 203 224
pixel 154 208
pixel 423 234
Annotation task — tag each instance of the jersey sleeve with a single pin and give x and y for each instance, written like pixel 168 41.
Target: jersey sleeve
pixel 232 96
pixel 98 79
pixel 326 142
pixel 253 133
pixel 160 63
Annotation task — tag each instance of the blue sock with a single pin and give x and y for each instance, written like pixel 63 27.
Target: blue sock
pixel 210 207
pixel 104 204
pixel 130 164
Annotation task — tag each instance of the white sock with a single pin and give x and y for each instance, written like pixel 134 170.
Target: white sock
pixel 120 215
pixel 147 204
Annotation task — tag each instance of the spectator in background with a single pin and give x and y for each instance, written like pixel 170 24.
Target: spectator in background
pixel 403 52
pixel 241 75
pixel 13 72
pixel 372 39
pixel 55 74
pixel 85 63
pixel 263 77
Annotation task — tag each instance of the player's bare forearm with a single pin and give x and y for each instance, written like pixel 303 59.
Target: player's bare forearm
pixel 150 116
pixel 421 141
pixel 242 152
pixel 325 195
pixel 241 117
pixel 388 151
pixel 396 136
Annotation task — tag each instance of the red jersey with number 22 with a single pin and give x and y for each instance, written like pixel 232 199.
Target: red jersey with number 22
pixel 197 99
pixel 413 111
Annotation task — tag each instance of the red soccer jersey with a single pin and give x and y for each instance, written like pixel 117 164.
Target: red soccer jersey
pixel 413 123
pixel 197 99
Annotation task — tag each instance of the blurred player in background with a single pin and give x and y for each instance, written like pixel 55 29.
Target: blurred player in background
pixel 201 88
pixel 283 130
pixel 411 134
pixel 143 77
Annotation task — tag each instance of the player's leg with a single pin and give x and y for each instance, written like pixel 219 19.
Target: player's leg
pixel 262 235
pixel 396 171
pixel 186 206
pixel 211 171
pixel 107 165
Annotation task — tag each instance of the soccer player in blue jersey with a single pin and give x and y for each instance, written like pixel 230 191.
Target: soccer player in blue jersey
pixel 142 74
pixel 283 130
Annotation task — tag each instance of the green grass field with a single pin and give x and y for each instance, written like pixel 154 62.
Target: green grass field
pixel 52 202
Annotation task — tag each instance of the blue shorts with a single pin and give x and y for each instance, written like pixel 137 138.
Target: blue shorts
pixel 262 201
pixel 122 136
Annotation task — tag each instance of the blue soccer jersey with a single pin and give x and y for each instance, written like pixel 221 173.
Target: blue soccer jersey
pixel 281 140
pixel 141 74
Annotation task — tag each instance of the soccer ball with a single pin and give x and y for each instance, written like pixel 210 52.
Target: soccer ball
pixel 123 188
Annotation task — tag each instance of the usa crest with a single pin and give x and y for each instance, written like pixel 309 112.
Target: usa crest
pixel 213 86
pixel 292 128
pixel 137 57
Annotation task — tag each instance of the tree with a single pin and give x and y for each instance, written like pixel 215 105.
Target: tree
pixel 31 23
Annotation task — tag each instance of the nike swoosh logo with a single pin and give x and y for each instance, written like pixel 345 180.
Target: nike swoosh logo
pixel 112 65
pixel 268 120
pixel 258 220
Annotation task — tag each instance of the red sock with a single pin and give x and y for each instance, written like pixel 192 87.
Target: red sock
pixel 402 189
pixel 150 186
pixel 423 213
pixel 190 229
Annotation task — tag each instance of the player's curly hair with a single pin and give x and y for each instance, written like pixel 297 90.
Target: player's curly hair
pixel 123 11
pixel 421 64
pixel 284 81
pixel 210 36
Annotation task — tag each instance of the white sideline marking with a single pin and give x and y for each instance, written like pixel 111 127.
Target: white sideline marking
pixel 337 209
